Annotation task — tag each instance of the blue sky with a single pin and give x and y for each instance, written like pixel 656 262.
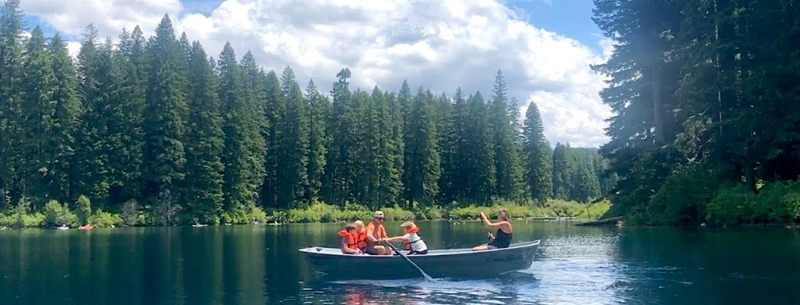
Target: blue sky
pixel 441 45
pixel 571 18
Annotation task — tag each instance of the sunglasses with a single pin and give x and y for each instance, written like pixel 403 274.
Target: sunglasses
pixel 380 218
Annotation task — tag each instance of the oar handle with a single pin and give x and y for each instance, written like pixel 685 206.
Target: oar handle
pixel 427 277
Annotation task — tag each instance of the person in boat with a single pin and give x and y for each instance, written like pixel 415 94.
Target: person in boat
pixel 348 243
pixel 375 232
pixel 411 241
pixel 501 239
pixel 361 236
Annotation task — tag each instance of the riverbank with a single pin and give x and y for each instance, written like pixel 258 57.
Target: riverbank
pixel 57 214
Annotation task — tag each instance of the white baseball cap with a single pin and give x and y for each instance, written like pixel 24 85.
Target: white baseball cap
pixel 377 214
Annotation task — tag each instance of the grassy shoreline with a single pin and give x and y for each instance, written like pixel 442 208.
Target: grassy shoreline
pixel 56 214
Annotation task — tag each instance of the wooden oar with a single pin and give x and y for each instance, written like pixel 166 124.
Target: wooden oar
pixel 427 277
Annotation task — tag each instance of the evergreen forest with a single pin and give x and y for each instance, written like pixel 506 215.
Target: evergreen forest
pixel 706 122
pixel 155 131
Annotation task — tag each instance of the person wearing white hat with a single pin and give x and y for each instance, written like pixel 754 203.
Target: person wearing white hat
pixel 376 232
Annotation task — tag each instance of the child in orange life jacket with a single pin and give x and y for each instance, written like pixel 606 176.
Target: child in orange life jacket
pixel 361 236
pixel 411 241
pixel 348 243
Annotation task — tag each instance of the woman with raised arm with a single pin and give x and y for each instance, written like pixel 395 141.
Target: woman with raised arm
pixel 501 239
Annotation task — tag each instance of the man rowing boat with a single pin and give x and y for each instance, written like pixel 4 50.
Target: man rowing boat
pixel 375 232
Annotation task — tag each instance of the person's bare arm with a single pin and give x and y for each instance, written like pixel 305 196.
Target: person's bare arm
pixel 394 239
pixel 503 225
pixel 488 224
pixel 371 235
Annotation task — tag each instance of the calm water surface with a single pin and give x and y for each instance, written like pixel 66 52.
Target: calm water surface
pixel 261 265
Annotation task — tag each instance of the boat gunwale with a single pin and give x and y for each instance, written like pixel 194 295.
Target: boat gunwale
pixel 326 251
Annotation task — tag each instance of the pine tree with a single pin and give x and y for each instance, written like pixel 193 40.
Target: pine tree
pixel 255 100
pixel 389 184
pixel 243 153
pixel 399 107
pixel 456 150
pixel 443 111
pixel 10 82
pixel 90 168
pixel 562 180
pixel 337 179
pixel 364 158
pixel 422 163
pixel 131 61
pixel 165 109
pixel 292 176
pixel 317 109
pixel 37 110
pixel 507 164
pixel 117 117
pixel 538 156
pixel 66 112
pixel 204 147
pixel 478 163
pixel 275 113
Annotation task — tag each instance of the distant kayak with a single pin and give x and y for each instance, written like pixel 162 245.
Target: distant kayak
pixel 445 263
pixel 62 227
pixel 86 227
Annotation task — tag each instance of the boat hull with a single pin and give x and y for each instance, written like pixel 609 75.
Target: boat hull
pixel 450 263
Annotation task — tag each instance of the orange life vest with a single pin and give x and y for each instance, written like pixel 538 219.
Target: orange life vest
pixel 406 244
pixel 361 240
pixel 351 240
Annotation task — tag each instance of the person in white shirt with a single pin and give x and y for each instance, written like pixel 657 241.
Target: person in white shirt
pixel 411 241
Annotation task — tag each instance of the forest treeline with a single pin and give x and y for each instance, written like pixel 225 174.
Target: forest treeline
pixel 706 122
pixel 157 125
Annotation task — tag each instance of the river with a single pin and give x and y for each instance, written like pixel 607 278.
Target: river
pixel 261 265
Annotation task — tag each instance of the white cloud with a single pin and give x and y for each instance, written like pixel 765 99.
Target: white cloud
pixel 440 44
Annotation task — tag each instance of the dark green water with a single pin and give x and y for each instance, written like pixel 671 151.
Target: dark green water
pixel 261 265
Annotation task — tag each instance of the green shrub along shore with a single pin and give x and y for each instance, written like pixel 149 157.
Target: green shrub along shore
pixel 57 214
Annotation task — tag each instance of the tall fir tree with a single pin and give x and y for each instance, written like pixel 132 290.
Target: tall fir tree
pixel 65 119
pixel 118 127
pixel 317 109
pixel 243 153
pixel 131 59
pixel 165 110
pixel 364 158
pixel 443 110
pixel 37 111
pixel 507 164
pixel 90 168
pixel 538 156
pixel 10 95
pixel 292 176
pixel 337 178
pixel 388 173
pixel 479 164
pixel 454 154
pixel 205 143
pixel 422 159
pixel 255 124
pixel 275 111
pixel 562 180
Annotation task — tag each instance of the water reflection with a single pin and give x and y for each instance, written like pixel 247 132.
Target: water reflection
pixel 261 265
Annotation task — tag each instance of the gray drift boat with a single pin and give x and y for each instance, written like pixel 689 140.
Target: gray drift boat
pixel 447 263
